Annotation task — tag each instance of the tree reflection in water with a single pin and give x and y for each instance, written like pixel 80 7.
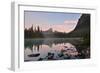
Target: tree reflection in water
pixel 52 49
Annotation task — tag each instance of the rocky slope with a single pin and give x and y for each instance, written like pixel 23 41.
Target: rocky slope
pixel 83 26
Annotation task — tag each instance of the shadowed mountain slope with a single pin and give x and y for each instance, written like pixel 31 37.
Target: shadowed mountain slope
pixel 83 26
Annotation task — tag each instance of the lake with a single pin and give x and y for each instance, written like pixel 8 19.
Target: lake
pixel 43 49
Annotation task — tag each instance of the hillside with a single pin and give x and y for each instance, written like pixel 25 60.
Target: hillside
pixel 83 26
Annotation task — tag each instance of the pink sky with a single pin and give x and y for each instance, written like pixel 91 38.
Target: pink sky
pixel 62 22
pixel 66 26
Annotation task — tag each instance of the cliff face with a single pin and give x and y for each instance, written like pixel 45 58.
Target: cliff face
pixel 83 26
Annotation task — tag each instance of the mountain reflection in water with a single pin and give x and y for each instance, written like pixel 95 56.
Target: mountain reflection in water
pixel 51 49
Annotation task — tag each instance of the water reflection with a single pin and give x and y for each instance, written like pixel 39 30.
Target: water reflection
pixel 51 49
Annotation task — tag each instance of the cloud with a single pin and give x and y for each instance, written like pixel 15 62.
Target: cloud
pixel 66 26
pixel 70 22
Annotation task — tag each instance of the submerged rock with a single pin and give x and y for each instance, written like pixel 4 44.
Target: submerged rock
pixel 34 55
pixel 50 56
pixel 40 59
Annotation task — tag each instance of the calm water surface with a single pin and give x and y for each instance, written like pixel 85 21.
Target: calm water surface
pixel 51 49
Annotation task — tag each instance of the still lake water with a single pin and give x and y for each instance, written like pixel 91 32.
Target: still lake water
pixel 51 49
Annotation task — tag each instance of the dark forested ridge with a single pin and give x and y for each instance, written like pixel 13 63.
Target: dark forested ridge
pixel 84 22
pixel 83 26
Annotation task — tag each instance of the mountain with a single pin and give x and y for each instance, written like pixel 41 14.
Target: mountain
pixel 83 26
pixel 48 33
pixel 53 34
pixel 50 30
